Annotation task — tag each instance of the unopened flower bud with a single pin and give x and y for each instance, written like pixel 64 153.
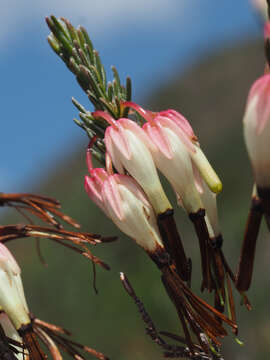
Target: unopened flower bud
pixel 257 130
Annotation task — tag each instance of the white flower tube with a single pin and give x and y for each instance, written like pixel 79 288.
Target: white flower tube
pixel 130 210
pixel 175 150
pixel 171 153
pixel 124 202
pixel 128 147
pixel 12 299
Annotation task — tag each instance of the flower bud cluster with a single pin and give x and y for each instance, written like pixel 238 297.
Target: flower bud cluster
pixel 129 192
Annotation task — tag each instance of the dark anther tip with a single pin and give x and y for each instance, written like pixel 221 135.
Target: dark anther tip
pixel 165 214
pixel 197 215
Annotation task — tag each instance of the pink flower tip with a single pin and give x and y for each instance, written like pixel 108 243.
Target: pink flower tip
pixel 267 30
pixel 259 92
pixel 146 114
pixel 106 116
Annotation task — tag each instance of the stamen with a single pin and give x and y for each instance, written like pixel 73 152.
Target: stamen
pixel 109 164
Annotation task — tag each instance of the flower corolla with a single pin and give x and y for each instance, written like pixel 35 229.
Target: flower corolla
pixel 12 299
pixel 257 130
pixel 176 151
pixel 125 203
pixel 129 149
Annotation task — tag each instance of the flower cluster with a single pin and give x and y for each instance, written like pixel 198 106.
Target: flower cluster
pixel 134 145
pixel 128 190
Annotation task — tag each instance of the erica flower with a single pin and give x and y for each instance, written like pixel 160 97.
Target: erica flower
pixel 12 299
pixel 177 155
pixel 13 303
pixel 128 147
pixel 124 202
pixel 257 130
pixel 257 137
pixel 175 150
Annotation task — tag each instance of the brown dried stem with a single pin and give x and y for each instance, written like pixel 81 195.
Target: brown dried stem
pixel 31 343
pixel 246 262
pixel 201 317
pixel 150 327
pixel 11 232
pixel 198 220
pixel 53 340
pixel 45 208
pixel 173 244
pixel 215 267
pixel 177 291
pixel 9 348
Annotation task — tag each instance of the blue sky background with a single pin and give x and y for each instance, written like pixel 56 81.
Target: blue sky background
pixel 147 40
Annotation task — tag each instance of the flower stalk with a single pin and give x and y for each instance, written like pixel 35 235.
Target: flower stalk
pixel 55 338
pixel 247 256
pixel 173 245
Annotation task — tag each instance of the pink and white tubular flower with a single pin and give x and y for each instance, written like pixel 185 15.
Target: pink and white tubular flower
pixel 175 150
pixel 93 183
pixel 128 147
pixel 12 299
pixel 124 202
pixel 257 129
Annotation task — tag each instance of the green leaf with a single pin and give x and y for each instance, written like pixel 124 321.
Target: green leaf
pixel 54 44
pixel 75 48
pixel 128 89
pixel 78 105
pixel 116 81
